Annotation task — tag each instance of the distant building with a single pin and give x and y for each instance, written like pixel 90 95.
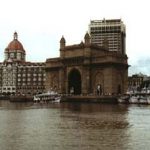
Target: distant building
pixel 112 32
pixel 138 82
pixel 87 68
pixel 17 76
pixel 134 82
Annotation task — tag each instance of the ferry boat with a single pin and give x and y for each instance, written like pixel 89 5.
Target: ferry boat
pixel 49 96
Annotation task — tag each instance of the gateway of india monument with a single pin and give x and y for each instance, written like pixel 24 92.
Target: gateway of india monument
pixel 96 66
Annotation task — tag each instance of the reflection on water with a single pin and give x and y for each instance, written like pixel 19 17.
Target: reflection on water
pixel 73 126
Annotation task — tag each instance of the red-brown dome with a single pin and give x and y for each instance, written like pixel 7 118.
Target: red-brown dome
pixel 15 44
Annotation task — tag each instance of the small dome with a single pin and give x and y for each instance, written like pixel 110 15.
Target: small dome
pixel 15 44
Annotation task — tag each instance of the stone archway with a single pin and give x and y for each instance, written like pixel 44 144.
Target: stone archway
pixel 74 82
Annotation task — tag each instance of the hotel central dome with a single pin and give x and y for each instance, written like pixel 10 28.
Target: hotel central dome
pixel 15 45
pixel 15 50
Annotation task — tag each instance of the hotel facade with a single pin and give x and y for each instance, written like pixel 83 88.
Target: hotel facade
pixel 18 76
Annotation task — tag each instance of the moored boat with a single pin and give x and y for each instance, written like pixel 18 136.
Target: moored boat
pixel 148 100
pixel 143 99
pixel 45 97
pixel 136 98
pixel 123 99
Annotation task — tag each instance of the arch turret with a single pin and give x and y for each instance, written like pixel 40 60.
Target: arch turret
pixel 87 39
pixel 62 43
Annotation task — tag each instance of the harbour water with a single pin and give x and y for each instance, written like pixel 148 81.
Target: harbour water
pixel 74 126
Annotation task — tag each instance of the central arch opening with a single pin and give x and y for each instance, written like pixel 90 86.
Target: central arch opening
pixel 74 82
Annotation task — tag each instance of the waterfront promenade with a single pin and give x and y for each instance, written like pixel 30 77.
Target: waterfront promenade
pixel 70 98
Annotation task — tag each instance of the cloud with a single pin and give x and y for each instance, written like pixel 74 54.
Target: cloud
pixel 141 65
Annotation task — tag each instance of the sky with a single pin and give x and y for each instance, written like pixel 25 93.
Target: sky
pixel 40 24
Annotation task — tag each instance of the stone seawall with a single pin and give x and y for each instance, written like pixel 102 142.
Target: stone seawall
pixel 91 99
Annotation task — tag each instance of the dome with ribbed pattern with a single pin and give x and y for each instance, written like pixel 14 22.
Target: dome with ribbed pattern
pixel 15 50
pixel 15 44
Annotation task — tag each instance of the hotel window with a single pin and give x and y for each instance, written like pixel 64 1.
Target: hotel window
pixel 24 79
pixel 29 69
pixel 34 84
pixel 4 69
pixel 20 70
pixel 11 55
pixel 29 79
pixel 40 75
pixel 24 75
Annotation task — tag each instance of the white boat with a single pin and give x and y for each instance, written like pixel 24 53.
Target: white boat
pixel 134 99
pixel 148 99
pixel 143 99
pixel 123 99
pixel 140 98
pixel 49 96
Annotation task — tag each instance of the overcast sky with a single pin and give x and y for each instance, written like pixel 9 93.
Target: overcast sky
pixel 41 23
